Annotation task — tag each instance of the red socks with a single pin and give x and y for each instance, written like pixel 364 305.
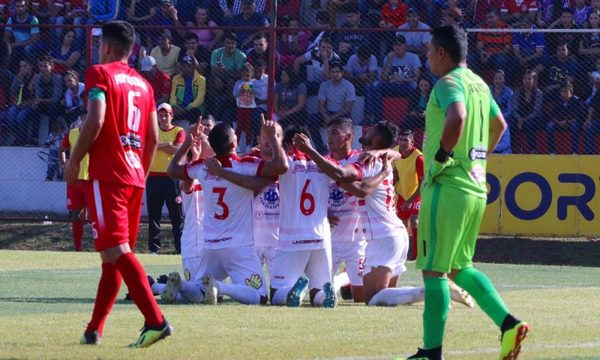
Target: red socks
pixel 135 277
pixel 413 243
pixel 77 229
pixel 108 290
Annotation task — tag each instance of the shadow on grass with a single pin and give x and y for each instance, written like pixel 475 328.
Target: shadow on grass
pixel 55 300
pixel 538 251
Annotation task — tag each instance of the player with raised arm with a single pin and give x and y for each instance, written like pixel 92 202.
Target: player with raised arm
pixel 120 135
pixel 304 245
pixel 463 124
pixel 227 244
pixel 348 240
pixel 388 240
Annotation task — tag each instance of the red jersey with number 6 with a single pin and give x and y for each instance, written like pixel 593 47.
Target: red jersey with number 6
pixel 115 156
pixel 304 193
pixel 227 207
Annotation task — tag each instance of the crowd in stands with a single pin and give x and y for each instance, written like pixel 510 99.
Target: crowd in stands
pixel 544 82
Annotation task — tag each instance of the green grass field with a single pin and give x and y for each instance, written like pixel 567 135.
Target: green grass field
pixel 46 299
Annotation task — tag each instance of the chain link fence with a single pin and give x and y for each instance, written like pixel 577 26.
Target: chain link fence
pixel 314 61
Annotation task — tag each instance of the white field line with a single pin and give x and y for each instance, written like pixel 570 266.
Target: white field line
pixel 527 347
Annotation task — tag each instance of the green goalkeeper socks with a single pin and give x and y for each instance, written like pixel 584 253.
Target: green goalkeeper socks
pixel 481 289
pixel 437 300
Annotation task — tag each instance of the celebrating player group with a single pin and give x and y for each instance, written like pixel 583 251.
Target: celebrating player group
pixel 290 209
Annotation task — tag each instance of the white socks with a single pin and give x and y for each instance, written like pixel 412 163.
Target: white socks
pixel 397 296
pixel 340 280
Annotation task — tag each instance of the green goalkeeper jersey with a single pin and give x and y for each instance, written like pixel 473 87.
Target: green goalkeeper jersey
pixel 470 154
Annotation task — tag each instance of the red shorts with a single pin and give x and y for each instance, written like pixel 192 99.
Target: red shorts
pixel 76 195
pixel 412 210
pixel 115 211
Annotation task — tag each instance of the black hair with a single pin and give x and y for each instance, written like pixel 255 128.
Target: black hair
pixel 120 34
pixel 406 132
pixel 230 35
pixel 388 133
pixel 453 39
pixel 294 78
pixel 260 35
pixel 190 36
pixel 220 138
pixel 292 130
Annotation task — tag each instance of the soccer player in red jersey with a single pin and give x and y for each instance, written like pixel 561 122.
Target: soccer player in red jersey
pixel 121 136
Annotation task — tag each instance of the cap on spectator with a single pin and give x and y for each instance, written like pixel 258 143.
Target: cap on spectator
pixel 400 39
pixel 166 34
pixel 147 63
pixel 187 60
pixel 97 32
pixel 412 10
pixel 166 107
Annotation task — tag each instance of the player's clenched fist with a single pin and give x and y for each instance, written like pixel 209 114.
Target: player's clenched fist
pixel 302 142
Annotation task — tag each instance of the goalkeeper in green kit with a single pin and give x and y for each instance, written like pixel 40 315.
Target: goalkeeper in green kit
pixel 463 124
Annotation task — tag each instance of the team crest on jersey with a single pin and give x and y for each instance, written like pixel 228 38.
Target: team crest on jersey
pixel 337 196
pixel 270 198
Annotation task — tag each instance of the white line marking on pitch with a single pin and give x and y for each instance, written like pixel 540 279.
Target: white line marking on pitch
pixel 588 345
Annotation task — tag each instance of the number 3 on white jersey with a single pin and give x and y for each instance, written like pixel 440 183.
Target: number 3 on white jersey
pixel 133 112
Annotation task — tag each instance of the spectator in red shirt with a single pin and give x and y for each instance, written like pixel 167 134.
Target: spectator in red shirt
pixel 160 81
pixel 513 11
pixel 393 14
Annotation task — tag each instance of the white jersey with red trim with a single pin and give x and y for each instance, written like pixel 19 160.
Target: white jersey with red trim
pixel 344 206
pixel 378 213
pixel 265 209
pixel 304 191
pixel 226 206
pixel 193 210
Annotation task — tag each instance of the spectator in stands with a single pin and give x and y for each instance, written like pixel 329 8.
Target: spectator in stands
pixel 591 126
pixel 237 7
pixel 581 12
pixel 354 36
pixel 527 117
pixel 48 12
pixel 401 69
pixel 556 69
pixel 167 16
pixel 320 59
pixel 514 11
pixel 143 12
pixel 292 43
pixel 207 38
pixel 595 83
pixel 336 99
pixel 260 50
pixel 370 9
pixel 565 22
pixel 24 41
pixel 72 101
pixel 226 61
pixel 48 91
pixel 417 105
pixel 290 98
pixel 220 103
pixel 166 54
pixel 565 116
pixel 6 79
pixel 75 13
pixel 159 80
pixel 503 96
pixel 528 47
pixel 416 41
pixel 55 138
pixel 548 12
pixel 261 94
pixel 493 48
pixel 247 18
pixel 244 92
pixel 589 45
pixel 480 9
pixel 200 55
pixel 67 56
pixel 361 69
pixel 187 92
pixel 335 7
pixel 393 14
pixel 322 19
pixel 20 114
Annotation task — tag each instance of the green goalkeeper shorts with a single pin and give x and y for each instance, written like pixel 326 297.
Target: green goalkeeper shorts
pixel 449 221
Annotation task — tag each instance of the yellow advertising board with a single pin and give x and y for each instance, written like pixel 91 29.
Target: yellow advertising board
pixel 543 195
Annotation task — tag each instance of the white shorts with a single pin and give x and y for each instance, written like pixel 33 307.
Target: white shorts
pixel 265 255
pixel 288 266
pixel 389 252
pixel 191 266
pixel 239 263
pixel 352 253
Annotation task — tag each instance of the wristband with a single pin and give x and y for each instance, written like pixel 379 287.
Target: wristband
pixel 442 156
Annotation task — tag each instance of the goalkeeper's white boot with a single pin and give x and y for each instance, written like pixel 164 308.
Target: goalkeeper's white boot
pixel 211 290
pixel 169 295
